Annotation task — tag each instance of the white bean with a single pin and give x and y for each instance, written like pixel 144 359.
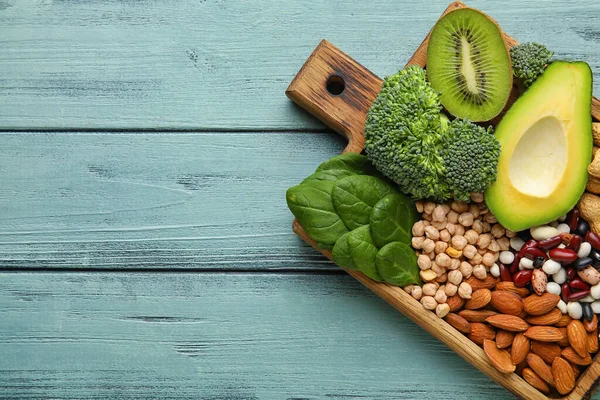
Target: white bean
pixel 574 309
pixel 553 288
pixel 595 291
pixel 562 306
pixel 563 228
pixel 543 232
pixel 587 299
pixel 596 307
pixel 551 267
pixel 516 243
pixel 506 257
pixel 584 250
pixel 526 263
pixel 495 270
pixel 562 218
pixel 560 277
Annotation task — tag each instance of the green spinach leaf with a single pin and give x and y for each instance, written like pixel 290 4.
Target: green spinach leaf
pixel 392 219
pixel 341 253
pixel 354 196
pixel 364 252
pixel 397 264
pixel 353 162
pixel 311 203
pixel 328 175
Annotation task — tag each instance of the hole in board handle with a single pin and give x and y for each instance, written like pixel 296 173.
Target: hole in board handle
pixel 335 85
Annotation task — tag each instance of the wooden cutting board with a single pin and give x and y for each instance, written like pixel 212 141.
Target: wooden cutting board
pixel 339 91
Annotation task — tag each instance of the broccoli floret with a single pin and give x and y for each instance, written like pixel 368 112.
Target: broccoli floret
pixel 403 134
pixel 470 155
pixel 529 61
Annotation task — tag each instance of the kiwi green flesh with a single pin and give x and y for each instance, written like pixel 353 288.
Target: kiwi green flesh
pixel 468 63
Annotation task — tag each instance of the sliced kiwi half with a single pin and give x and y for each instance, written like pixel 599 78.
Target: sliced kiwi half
pixel 469 64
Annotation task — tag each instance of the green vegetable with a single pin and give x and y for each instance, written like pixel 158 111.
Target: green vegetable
pixel 311 203
pixel 392 219
pixel 341 253
pixel 403 133
pixel 470 155
pixel 364 252
pixel 353 162
pixel 354 196
pixel 397 264
pixel 529 61
pixel 328 175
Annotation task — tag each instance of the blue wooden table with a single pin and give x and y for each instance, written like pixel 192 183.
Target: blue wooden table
pixel 146 248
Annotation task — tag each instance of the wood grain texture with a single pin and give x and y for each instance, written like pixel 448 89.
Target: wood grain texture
pixel 220 64
pixel 217 336
pixel 147 201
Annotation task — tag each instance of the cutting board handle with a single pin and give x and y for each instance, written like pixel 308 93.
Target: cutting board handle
pixel 337 90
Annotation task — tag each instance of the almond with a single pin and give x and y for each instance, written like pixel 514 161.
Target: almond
pixel 538 365
pixel 481 332
pixel 571 355
pixel 523 315
pixel 479 299
pixel 547 351
pixel 520 348
pixel 520 366
pixel 540 305
pixel 564 378
pixel 592 342
pixel 564 342
pixel 511 287
pixel 507 302
pixel 476 315
pixel 504 338
pixel 576 370
pixel 545 333
pixel 563 321
pixel 508 322
pixel 498 357
pixel 577 337
pixel 534 380
pixel 455 302
pixel 592 325
pixel 458 322
pixel 550 318
pixel 488 283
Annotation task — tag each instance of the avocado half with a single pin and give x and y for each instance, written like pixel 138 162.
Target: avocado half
pixel 546 146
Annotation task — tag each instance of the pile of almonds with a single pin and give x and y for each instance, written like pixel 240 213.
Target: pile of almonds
pixel 525 333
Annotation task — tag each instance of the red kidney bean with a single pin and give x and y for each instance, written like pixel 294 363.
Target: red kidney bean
pixel 550 243
pixel 528 244
pixel 577 283
pixel 573 219
pixel 565 292
pixel 522 278
pixel 563 255
pixel 514 267
pixel 505 274
pixel 574 243
pixel 593 239
pixel 571 273
pixel 533 252
pixel 578 295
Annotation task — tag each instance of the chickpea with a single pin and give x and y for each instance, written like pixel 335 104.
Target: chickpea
pixel 494 246
pixel 460 230
pixel 454 264
pixel 408 288
pixel 481 251
pixel 490 218
pixel 477 258
pixel 459 206
pixel 510 234
pixel 442 278
pixel 429 289
pixel 428 245
pixel 427 275
pixel 471 236
pixel 443 260
pixel 446 208
pixel 439 225
pixel 484 240
pixel 431 255
pixel 416 292
pixel 439 214
pixel 488 259
pixel 459 242
pixel 503 243
pixel 477 226
pixel 418 229
pixel 482 209
pixel 440 247
pixel 466 219
pixel 440 296
pixel 419 205
pixel 423 262
pixel 439 271
pixel 465 290
pixel 466 269
pixel 428 207
pixel 432 233
pixel 429 302
pixel 450 289
pixel 417 242
pixel 469 251
pixel 453 217
pixel 497 231
pixel 486 227
pixel 477 197
pixel 445 235
pixel 427 217
pixel 442 310
pixel 480 272
pixel 455 277
pixel 451 228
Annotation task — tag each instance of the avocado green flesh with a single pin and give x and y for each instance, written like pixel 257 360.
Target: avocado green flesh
pixel 546 146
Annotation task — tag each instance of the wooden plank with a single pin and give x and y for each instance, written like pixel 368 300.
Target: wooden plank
pixel 144 201
pixel 216 64
pixel 217 336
